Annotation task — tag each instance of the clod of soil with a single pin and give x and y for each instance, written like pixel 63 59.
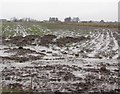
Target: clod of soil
pixel 47 39
pixel 63 41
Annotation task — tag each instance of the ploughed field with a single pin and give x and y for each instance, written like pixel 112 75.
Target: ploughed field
pixel 38 58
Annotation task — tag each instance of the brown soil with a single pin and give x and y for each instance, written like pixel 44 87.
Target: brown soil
pixel 44 41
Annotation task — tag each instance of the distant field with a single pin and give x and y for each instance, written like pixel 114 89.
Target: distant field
pixel 78 25
pixel 42 28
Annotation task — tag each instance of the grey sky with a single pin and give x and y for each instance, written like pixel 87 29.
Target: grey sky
pixel 43 9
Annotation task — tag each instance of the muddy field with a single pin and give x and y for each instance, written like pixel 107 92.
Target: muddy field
pixel 60 60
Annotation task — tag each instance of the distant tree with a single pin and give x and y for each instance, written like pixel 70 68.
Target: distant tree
pixel 102 21
pixel 68 19
pixel 14 19
pixel 53 19
pixel 90 21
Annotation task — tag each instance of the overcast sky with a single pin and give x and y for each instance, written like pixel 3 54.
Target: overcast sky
pixel 43 9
